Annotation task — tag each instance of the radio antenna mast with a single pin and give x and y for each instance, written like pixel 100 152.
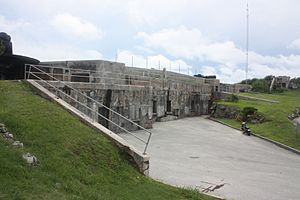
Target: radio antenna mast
pixel 247 45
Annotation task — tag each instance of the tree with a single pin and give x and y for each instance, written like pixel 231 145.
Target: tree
pixel 260 85
pixel 2 48
pixel 269 78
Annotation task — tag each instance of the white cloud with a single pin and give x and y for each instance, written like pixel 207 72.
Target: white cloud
pixel 210 32
pixel 191 44
pixel 25 42
pixel 294 44
pixel 151 12
pixel 208 70
pixel 155 61
pixel 50 52
pixel 229 60
pixel 13 25
pixel 76 27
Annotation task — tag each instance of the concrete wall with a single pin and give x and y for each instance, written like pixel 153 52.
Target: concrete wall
pixel 235 88
pixel 142 95
pixel 141 160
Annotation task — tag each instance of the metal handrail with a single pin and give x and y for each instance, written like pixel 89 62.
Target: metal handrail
pixel 87 70
pixel 93 100
pixel 97 77
pixel 32 73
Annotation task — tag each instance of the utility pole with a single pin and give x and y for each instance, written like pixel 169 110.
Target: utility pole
pixel 131 61
pixel 247 45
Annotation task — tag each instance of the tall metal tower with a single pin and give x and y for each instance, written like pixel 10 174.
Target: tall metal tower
pixel 247 45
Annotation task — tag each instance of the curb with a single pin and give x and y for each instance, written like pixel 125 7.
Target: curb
pixel 261 137
pixel 184 187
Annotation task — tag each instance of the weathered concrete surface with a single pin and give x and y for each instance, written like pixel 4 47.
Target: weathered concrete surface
pixel 142 95
pixel 141 160
pixel 200 153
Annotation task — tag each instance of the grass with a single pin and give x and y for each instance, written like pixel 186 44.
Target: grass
pixel 277 127
pixel 75 161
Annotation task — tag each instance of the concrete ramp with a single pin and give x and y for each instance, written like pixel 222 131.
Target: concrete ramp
pixel 219 160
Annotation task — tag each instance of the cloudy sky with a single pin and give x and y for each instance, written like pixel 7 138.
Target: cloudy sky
pixel 193 36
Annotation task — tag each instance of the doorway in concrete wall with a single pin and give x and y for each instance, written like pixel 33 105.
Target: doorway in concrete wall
pixel 154 107
pixel 169 103
pixel 104 111
pixel 169 108
pixel 201 108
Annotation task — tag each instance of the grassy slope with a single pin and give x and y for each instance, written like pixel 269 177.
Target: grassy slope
pixel 76 162
pixel 278 127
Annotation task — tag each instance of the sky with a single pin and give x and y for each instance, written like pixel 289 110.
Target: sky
pixel 186 36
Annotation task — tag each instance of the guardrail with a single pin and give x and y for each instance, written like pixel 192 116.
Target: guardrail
pixel 67 74
pixel 36 72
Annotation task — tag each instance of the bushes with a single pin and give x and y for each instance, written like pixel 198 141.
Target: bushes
pixel 261 85
pixel 251 114
pixel 232 98
pixel 247 112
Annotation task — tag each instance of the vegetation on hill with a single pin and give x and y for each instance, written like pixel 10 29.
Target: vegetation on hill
pixel 277 126
pixel 75 161
pixel 262 85
pixel 2 48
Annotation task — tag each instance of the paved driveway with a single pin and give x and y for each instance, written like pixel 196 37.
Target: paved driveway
pixel 200 153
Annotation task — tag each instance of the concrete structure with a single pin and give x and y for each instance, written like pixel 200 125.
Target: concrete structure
pixel 204 154
pixel 293 84
pixel 235 88
pixel 280 82
pixel 141 160
pixel 142 95
pixel 12 66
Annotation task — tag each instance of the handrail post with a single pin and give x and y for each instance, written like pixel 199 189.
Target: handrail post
pixel 25 69
pixel 29 71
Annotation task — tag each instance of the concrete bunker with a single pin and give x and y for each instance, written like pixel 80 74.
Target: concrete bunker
pixel 141 95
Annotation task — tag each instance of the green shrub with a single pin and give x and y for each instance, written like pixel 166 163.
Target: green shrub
pixel 232 98
pixel 261 85
pixel 247 113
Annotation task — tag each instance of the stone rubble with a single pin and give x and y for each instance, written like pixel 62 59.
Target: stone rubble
pixel 295 114
pixel 2 128
pixel 30 159
pixel 18 144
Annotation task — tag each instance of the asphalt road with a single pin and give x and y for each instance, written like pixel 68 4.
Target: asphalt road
pixel 203 154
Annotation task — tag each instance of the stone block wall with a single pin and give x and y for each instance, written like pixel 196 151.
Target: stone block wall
pixel 142 95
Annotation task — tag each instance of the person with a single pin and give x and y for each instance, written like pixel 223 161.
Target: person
pixel 245 128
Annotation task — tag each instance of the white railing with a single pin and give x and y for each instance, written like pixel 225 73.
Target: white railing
pixel 35 72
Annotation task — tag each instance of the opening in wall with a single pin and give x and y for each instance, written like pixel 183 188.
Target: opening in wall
pixel 192 105
pixel 169 108
pixel 67 90
pixel 154 107
pixel 80 77
pixel 104 112
pixel 217 88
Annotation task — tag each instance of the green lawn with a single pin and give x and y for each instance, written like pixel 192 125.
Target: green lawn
pixel 75 161
pixel 277 127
